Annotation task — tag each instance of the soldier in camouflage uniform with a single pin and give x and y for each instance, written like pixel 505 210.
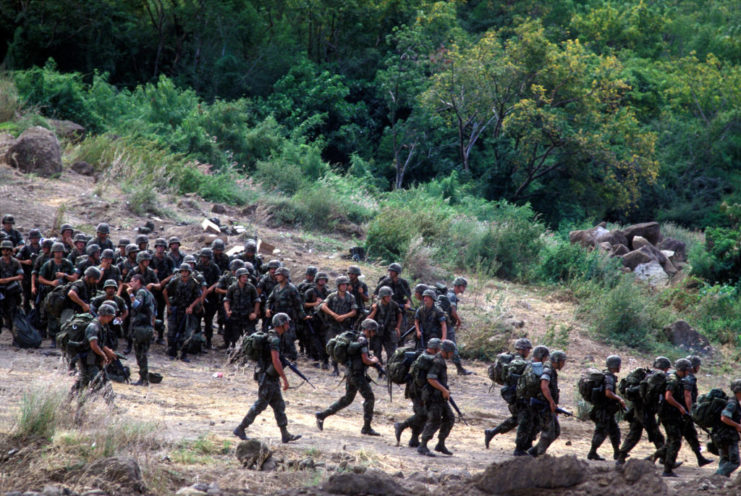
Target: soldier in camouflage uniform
pixel 268 375
pixel 389 316
pixel 109 272
pixel 183 295
pixel 142 243
pixel 339 308
pixel 726 435
pixel 175 254
pixel 67 234
pixel 527 420
pixel 435 395
pixel 523 346
pixel 220 259
pixel 78 250
pixel 688 427
pixel 164 267
pixel 102 237
pixel 98 355
pixel 429 320
pixel 313 297
pixel 83 290
pixel 90 259
pixel 250 256
pixel 151 282
pixel 264 287
pixel 402 294
pixel 454 320
pixel 285 299
pixel 129 263
pixel 242 307
pixel 11 234
pixel 143 314
pixel 56 271
pixel 546 403
pixel 359 290
pixel 359 359
pixel 603 413
pixel 27 256
pixel 11 278
pixel 36 287
pixel 120 254
pixel 110 287
pixel 671 414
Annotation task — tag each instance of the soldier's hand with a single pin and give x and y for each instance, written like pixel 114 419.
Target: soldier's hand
pixel 360 289
pixel 285 385
pixel 682 410
pixel 622 403
pixel 253 316
pixel 446 394
pixel 554 407
pixel 60 275
pixel 33 291
pixel 267 313
pixel 189 310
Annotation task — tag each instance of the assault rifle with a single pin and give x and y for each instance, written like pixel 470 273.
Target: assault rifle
pixel 541 405
pixel 285 363
pixel 454 405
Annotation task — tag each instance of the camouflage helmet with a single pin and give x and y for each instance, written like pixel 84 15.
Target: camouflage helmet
pixel 434 343
pixel 683 365
pixel 160 242
pixel 103 228
pixel 190 259
pixel 132 248
pixel 206 252
pixel 124 242
pixel 79 238
pixel 448 346
pixel 218 244
pixel 107 253
pixel 92 249
pixel 57 247
pixel 141 239
pixel 6 245
pixel 460 281
pixel 369 324
pixel 354 269
pixel 283 271
pixel 48 243
pixel 341 280
pixel 174 240
pixel 92 272
pixel 311 271
pixel 736 386
pixel 65 227
pixel 185 267
pixel 695 360
pixel 662 363
pixel 106 310
pixel 321 275
pixel 613 362
pixel 110 283
pixel 236 264
pixel 241 272
pixel 280 319
pixel 249 266
pixel 429 292
pixel 34 234
pixel 395 267
pixel 273 264
pixel 540 352
pixel 250 246
pixel 8 219
pixel 420 288
pixel 385 291
pixel 142 256
pixel 523 344
pixel 558 356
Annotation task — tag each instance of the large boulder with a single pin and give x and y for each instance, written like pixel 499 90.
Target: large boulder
pixel 546 472
pixel 637 257
pixel 37 150
pixel 68 130
pixel 678 247
pixel 254 454
pixel 619 250
pixel 371 482
pixel 639 242
pixel 615 237
pixel 648 230
pixel 83 168
pixel 121 473
pixel 588 237
pixel 653 273
pixel 681 334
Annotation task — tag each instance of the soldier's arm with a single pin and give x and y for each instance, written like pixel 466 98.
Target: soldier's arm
pixel 726 414
pixel 444 327
pixel 611 395
pixel 72 294
pixel 547 394
pixel 368 360
pixel 688 399
pixel 275 357
pixel 374 310
pixel 256 310
pixel 669 397
pixel 399 318
pixel 416 326
pixel 436 384
pixel 456 318
pixel 329 311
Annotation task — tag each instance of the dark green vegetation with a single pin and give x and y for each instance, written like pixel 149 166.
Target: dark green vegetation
pixel 462 130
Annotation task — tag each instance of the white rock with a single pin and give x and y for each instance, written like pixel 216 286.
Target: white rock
pixel 652 273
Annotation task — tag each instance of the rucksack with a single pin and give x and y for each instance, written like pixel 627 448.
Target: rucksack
pixel 118 372
pixel 630 385
pixel 71 337
pixel 25 335
pixel 653 388
pixel 399 364
pixel 514 370
pixel 706 412
pixel 528 385
pixel 592 386
pixel 338 348
pixel 420 368
pixel 255 345
pixel 496 369
pixel 56 300
pixel 442 298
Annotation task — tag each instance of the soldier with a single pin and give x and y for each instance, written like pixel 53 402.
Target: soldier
pixel 120 255
pixel 78 249
pixel 56 271
pixel 11 234
pixel 175 254
pixel 644 417
pixel 242 307
pixel 11 277
pixel 43 256
pixel 527 426
pixel 143 260
pixel 82 291
pixel 27 256
pixel 250 256
pixel 435 396
pixel 359 290
pixel 102 237
pixel 430 320
pixel 142 243
pixel 221 260
pixel 671 414
pixel 90 259
pixel 414 393
pixel 725 436
pixel 546 404
pixel 268 374
pixel 356 381
pixel 454 320
pixel 67 233
pixel 523 346
pixel 164 267
pixel 389 316
pixel 265 287
pixel 603 413
pixel 308 281
pixel 339 308
pixel 143 314
pixel 183 295
pixel 399 286
pixel 110 287
pixel 108 271
pixel 313 297
pixel 286 299
pixel 129 263
pixel 688 428
pixel 211 273
pixel 98 355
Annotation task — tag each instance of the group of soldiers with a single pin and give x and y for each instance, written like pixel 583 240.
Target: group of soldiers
pixel 131 290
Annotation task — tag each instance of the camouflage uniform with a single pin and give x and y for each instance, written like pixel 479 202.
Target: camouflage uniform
pixel 642 417
pixel 286 299
pixel 143 312
pixel 401 292
pixel 439 414
pixel 264 288
pixel 91 365
pixel 48 271
pixel 126 266
pixel 28 252
pixel 164 268
pixel 419 414
pixel 430 322
pixel 547 421
pixel 688 427
pixel 221 261
pixel 116 330
pixel 180 325
pixel 104 243
pixel 255 260
pixel 113 273
pixel 84 291
pixel 339 306
pixel 671 419
pixel 527 420
pixel 241 303
pixel 14 236
pixel 386 337
pixel 316 332
pixel 12 291
pixel 726 439
pixel 603 416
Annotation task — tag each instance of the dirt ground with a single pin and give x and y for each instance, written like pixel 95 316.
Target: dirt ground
pixel 207 397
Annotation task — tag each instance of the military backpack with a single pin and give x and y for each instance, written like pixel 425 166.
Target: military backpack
pixel 255 345
pixel 496 369
pixel 442 299
pixel 338 348
pixel 420 368
pixel 528 385
pixel 56 300
pixel 71 337
pixel 706 412
pixel 653 387
pixel 630 385
pixel 399 364
pixel 592 386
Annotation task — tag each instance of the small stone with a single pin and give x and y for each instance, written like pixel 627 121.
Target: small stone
pixel 568 443
pixel 218 209
pixel 190 491
pixel 83 168
pixel 201 486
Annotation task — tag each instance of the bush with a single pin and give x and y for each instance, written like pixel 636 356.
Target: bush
pixel 564 262
pixel 719 261
pixel 10 104
pixel 718 314
pixel 40 413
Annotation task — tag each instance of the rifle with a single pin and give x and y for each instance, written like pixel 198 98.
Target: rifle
pixel 285 363
pixel 458 410
pixel 688 418
pixel 534 402
pixel 406 333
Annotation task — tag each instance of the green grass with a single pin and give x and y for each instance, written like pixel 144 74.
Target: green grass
pixel 41 412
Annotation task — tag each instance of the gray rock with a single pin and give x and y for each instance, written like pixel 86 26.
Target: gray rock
pixel 124 472
pixel 619 250
pixel 83 168
pixel 37 150
pixel 605 246
pixel 52 491
pixel 638 242
pixel 678 247
pixel 190 491
pixel 201 486
pixel 68 130
pixel 588 237
pixel 14 493
pixel 681 334
pixel 652 273
pixel 95 492
pixel 529 473
pixel 253 453
pixel 6 141
pixel 649 230
pixel 218 209
pixel 372 483
pixel 635 258
pixel 615 237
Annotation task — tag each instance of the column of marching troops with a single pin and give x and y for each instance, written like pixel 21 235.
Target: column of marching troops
pixel 128 288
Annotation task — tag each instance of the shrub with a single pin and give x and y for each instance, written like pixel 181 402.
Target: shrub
pixel 717 314
pixel 719 261
pixel 41 411
pixel 564 262
pixel 10 104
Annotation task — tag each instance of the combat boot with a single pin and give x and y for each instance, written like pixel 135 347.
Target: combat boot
pixel 414 441
pixel 335 371
pixel 461 370
pixel 702 461
pixel 287 437
pixel 239 432
pixel 442 449
pixel 620 460
pixel 398 429
pixel 423 449
pixel 319 421
pixel 594 456
pixel 489 435
pixel 141 382
pixel 368 430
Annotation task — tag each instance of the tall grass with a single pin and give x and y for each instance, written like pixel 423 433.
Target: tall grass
pixel 41 412
pixel 10 104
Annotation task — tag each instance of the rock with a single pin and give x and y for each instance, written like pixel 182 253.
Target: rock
pixel 218 209
pixel 372 482
pixel 6 141
pixel 635 258
pixel 94 492
pixel 605 247
pixel 210 227
pixel 616 237
pixel 529 473
pixel 201 486
pixel 638 242
pixel 124 472
pixel 253 453
pixel 52 491
pixel 648 230
pixel 681 334
pixel 14 493
pixel 83 168
pixel 588 237
pixel 190 491
pixel 37 150
pixel 678 247
pixel 619 250
pixel 653 273
pixel 669 268
pixel 68 130
pixel 149 225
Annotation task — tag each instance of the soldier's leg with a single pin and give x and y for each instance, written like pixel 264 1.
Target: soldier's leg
pixel 376 345
pixel 172 333
pixel 729 458
pixel 290 340
pixel 432 424
pixel 161 305
pixel 446 425
pixel 613 430
pixel 551 429
pixel 277 403
pixel 262 402
pixel 631 439
pixel 389 344
pixel 210 308
pixel 653 431
pixel 142 360
pixel 231 331
pixel 27 296
pixel 525 422
pixel 690 434
pixel 350 391
pixel 369 401
pixel 52 326
pixel 598 416
pixel 673 443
